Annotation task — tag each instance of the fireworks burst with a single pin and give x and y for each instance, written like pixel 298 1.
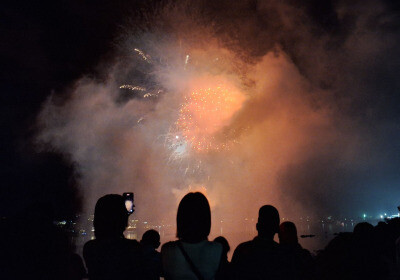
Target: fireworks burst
pixel 146 89
pixel 204 113
pixel 202 116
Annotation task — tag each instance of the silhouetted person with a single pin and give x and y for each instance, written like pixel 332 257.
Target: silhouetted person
pixel 333 262
pixel 152 258
pixel 392 235
pixel 262 257
pixel 111 255
pixel 300 259
pixel 225 246
pixel 398 254
pixel 192 256
pixel 367 252
pixel 34 248
pixel 225 270
pixel 354 256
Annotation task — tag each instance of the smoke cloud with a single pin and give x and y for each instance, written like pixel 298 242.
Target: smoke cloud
pixel 311 131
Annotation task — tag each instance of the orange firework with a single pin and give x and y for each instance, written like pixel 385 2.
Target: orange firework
pixel 204 113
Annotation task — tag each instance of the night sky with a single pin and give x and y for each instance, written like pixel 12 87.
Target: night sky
pixel 48 45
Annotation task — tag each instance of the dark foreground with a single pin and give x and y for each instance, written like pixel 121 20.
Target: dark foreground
pixel 48 253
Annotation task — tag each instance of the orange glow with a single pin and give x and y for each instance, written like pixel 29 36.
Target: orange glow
pixel 204 113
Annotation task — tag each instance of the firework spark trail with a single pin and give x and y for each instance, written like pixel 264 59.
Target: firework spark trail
pixel 133 88
pixel 141 88
pixel 150 94
pixel 186 61
pixel 142 54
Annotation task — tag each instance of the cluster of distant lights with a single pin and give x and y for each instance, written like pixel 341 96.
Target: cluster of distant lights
pixel 383 216
pixel 134 223
pixel 201 104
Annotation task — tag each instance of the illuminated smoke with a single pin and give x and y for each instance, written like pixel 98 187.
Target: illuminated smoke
pixel 267 87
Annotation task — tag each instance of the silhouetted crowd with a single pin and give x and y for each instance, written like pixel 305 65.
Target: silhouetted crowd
pixel 367 253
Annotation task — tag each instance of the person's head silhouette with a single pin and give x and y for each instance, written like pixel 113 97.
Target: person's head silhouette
pixel 193 218
pixel 268 222
pixel 288 234
pixel 225 244
pixel 110 216
pixel 363 228
pixel 151 238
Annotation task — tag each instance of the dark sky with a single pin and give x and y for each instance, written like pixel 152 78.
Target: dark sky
pixel 48 44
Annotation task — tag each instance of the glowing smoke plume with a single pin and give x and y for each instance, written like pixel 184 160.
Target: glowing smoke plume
pixel 220 101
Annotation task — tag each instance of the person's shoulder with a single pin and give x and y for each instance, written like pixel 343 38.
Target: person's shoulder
pixel 90 247
pixel 305 253
pixel 169 245
pixel 90 244
pixel 242 251
pixel 275 244
pixel 214 246
pixel 133 244
pixel 169 248
pixel 244 247
pixel 246 244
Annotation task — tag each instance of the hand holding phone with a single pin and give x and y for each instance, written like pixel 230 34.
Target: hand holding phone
pixel 129 196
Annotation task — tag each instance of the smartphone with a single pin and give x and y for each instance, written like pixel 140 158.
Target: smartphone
pixel 128 196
